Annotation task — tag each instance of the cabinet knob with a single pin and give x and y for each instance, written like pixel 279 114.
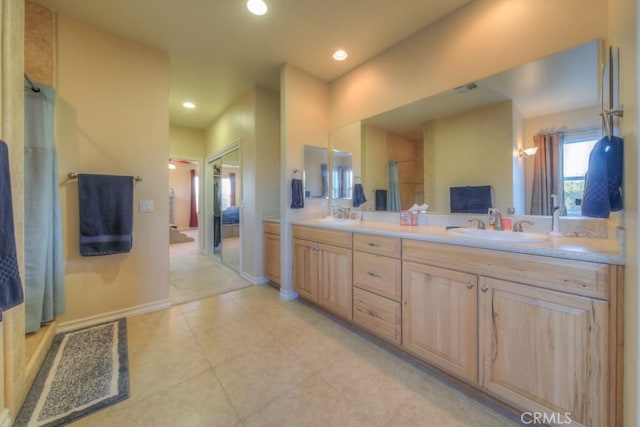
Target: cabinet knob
pixel 373 314
pixel 377 276
pixel 470 285
pixel 484 288
pixel 376 245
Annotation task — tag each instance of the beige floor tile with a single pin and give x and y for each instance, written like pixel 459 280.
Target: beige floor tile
pixel 312 403
pixel 253 379
pixel 198 401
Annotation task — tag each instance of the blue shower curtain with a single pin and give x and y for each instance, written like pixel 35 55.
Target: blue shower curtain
pixel 394 189
pixel 43 258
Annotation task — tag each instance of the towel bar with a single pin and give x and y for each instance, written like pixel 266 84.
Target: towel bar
pixel 74 175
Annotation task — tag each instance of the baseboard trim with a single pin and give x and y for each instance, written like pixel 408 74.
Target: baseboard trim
pixel 254 280
pixel 113 315
pixel 288 294
pixel 5 418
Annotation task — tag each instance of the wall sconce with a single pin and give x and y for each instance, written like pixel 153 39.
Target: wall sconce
pixel 528 152
pixel 171 164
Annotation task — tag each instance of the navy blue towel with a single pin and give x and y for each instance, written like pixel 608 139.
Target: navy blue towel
pixel 358 195
pixel 603 180
pixel 106 214
pixel 381 200
pixel 470 199
pixel 297 194
pixel 10 284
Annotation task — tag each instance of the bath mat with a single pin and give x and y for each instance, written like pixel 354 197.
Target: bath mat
pixel 84 371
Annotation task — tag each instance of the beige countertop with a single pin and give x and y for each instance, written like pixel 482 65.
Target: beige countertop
pixel 579 248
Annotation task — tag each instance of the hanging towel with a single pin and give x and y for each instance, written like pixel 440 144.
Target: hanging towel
pixel 381 200
pixel 297 194
pixel 106 214
pixel 358 195
pixel 10 285
pixel 603 180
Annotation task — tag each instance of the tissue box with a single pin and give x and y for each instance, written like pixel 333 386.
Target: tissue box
pixel 408 218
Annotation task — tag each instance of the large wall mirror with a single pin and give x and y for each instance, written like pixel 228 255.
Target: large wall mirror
pixel 472 136
pixel 342 175
pixel 316 172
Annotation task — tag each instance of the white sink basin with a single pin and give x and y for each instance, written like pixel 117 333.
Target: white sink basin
pixel 498 236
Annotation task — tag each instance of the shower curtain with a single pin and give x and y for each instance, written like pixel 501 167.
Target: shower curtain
pixel 394 187
pixel 43 258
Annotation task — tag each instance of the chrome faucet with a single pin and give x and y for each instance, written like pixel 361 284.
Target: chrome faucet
pixel 518 225
pixel 480 222
pixel 495 218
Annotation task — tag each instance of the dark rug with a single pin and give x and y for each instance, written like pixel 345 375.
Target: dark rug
pixel 84 371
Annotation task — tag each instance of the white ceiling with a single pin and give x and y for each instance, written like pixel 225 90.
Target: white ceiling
pixel 218 50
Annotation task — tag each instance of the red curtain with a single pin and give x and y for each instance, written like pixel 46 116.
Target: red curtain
pixel 193 217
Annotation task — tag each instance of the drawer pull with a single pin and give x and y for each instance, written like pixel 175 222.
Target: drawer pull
pixel 374 314
pixel 377 276
pixel 375 245
pixel 484 288
pixel 470 285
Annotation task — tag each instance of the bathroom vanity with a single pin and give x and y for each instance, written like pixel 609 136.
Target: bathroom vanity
pixel 537 326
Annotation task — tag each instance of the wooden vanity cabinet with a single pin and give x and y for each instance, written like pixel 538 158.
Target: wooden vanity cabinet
pixel 322 268
pixel 544 350
pixel 377 286
pixel 271 251
pixel 440 317
pixel 529 343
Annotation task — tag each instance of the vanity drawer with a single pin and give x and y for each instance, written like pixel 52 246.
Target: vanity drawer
pixel 271 227
pixel 378 274
pixel 322 235
pixel 377 314
pixel 379 245
pixel 580 277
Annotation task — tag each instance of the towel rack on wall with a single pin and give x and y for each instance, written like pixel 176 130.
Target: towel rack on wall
pixel 33 86
pixel 74 175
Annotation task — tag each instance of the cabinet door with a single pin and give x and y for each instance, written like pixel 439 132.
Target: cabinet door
pixel 306 268
pixel 271 253
pixel 439 317
pixel 544 350
pixel 336 281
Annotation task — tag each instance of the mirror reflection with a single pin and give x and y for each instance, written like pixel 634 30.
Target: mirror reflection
pixel 473 136
pixel 342 175
pixel 316 173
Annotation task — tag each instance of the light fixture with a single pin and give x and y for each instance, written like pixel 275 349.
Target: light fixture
pixel 257 7
pixel 189 105
pixel 528 152
pixel 171 164
pixel 340 55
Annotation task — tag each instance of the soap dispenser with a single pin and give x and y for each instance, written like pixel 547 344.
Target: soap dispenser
pixel 555 217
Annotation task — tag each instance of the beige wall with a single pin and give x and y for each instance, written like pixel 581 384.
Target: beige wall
pixel 100 129
pixel 304 112
pixel 480 39
pixel 253 120
pixel 180 181
pixel 186 143
pixel 13 387
pixel 474 148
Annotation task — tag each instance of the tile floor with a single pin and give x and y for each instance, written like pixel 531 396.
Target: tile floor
pixel 247 358
pixel 192 274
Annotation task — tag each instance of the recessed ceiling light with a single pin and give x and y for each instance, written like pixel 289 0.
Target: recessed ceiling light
pixel 257 7
pixel 340 55
pixel 189 105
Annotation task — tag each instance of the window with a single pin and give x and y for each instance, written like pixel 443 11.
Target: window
pixel 575 161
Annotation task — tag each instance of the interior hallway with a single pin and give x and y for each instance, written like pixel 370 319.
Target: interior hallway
pixel 247 358
pixel 194 276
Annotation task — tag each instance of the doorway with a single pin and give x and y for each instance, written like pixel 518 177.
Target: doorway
pixel 226 193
